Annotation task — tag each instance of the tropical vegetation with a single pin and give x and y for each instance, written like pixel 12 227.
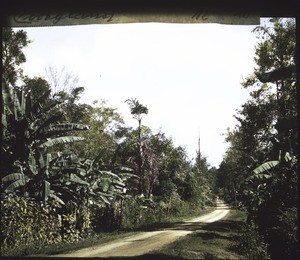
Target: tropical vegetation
pixel 70 170
pixel 259 170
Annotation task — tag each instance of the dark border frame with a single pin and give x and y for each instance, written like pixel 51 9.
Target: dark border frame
pixel 262 8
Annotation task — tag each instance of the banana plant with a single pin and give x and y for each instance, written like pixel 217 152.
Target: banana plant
pixel 101 185
pixel 67 177
pixel 34 168
pixel 29 126
pixel 258 184
pixel 29 133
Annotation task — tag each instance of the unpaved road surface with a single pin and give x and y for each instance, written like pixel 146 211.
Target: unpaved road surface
pixel 145 242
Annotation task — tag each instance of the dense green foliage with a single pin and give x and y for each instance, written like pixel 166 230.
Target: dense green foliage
pixel 78 167
pixel 24 223
pixel 250 243
pixel 259 168
pixel 12 54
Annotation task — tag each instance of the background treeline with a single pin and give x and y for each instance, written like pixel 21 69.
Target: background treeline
pixel 259 170
pixel 69 169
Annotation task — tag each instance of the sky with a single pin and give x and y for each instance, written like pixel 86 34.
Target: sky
pixel 188 75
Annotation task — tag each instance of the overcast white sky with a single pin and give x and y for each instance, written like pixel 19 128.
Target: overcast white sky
pixel 188 75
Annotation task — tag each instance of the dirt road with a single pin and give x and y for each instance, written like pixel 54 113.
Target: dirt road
pixel 145 242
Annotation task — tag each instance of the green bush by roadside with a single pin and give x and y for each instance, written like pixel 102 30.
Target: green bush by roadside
pixel 250 244
pixel 139 212
pixel 26 223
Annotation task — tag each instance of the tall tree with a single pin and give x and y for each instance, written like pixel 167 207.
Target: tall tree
pixel 13 43
pixel 137 109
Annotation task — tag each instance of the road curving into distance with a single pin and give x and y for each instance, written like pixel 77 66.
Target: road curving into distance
pixel 145 242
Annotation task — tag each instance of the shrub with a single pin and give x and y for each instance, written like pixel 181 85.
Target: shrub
pixel 283 235
pixel 140 212
pixel 250 244
pixel 26 223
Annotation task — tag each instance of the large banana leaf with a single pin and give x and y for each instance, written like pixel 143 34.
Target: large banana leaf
pixel 63 128
pixel 49 120
pixel 60 140
pixel 14 177
pixel 15 185
pixel 260 177
pixel 265 166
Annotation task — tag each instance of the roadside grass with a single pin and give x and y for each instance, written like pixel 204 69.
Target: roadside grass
pixel 211 241
pixel 65 247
